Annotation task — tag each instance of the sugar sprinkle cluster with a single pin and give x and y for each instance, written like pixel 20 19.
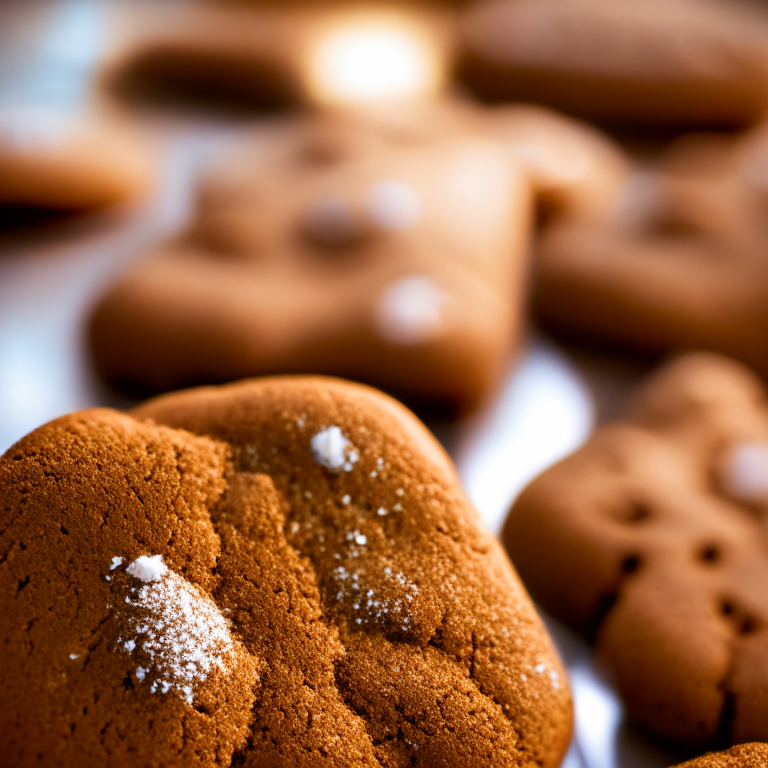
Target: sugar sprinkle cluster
pixel 180 633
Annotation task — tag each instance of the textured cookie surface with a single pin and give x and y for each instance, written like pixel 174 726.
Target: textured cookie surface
pixel 48 160
pixel 677 262
pixel 662 62
pixel 390 251
pixel 652 539
pixel 278 573
pixel 744 756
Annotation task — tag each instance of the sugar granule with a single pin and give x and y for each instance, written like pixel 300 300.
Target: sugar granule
pixel 333 451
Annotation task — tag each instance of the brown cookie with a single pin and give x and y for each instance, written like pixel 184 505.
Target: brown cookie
pixel 385 252
pixel 744 756
pixel 283 55
pixel 652 538
pixel 48 160
pixel 679 262
pixel 281 572
pixel 658 62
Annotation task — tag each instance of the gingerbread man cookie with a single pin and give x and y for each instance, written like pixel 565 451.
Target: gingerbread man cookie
pixel 744 756
pixel 380 252
pixel 652 540
pixel 283 55
pixel 660 62
pixel 282 572
pixel 52 161
pixel 678 262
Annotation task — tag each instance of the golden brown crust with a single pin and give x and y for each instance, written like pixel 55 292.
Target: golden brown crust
pixel 651 539
pixel 374 621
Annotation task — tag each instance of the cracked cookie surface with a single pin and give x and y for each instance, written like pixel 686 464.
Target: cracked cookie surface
pixel 652 539
pixel 273 573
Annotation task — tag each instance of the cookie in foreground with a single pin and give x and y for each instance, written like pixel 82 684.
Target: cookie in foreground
pixel 744 756
pixel 282 572
pixel 651 539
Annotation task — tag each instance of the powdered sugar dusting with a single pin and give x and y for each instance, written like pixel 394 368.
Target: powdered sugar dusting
pixel 333 451
pixel 178 632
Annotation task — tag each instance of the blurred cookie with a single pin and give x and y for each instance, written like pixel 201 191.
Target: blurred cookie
pixel 660 62
pixel 745 756
pixel 379 252
pixel 284 55
pixel 282 572
pixel 652 539
pixel 678 262
pixel 62 163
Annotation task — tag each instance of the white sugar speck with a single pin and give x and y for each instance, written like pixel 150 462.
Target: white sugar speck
pixel 400 492
pixel 410 310
pixel 74 656
pixel 555 678
pixel 393 205
pixel 397 508
pixel 540 668
pixel 148 568
pixel 333 451
pixel 179 630
pixel 346 498
pixel 361 539
pixel 381 512
pixel 116 562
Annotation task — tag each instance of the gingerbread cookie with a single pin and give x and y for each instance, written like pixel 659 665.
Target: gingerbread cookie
pixel 281 572
pixel 679 262
pixel 283 55
pixel 52 161
pixel 660 62
pixel 652 539
pixel 381 251
pixel 744 756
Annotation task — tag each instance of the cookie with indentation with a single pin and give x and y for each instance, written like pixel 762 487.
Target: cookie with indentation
pixel 657 63
pixel 677 262
pixel 652 540
pixel 281 572
pixel 383 250
pixel 285 55
pixel 59 162
pixel 745 756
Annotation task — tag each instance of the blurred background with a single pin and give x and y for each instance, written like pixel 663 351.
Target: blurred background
pixel 156 93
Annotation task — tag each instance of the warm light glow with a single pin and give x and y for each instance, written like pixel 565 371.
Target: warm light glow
pixel 372 60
